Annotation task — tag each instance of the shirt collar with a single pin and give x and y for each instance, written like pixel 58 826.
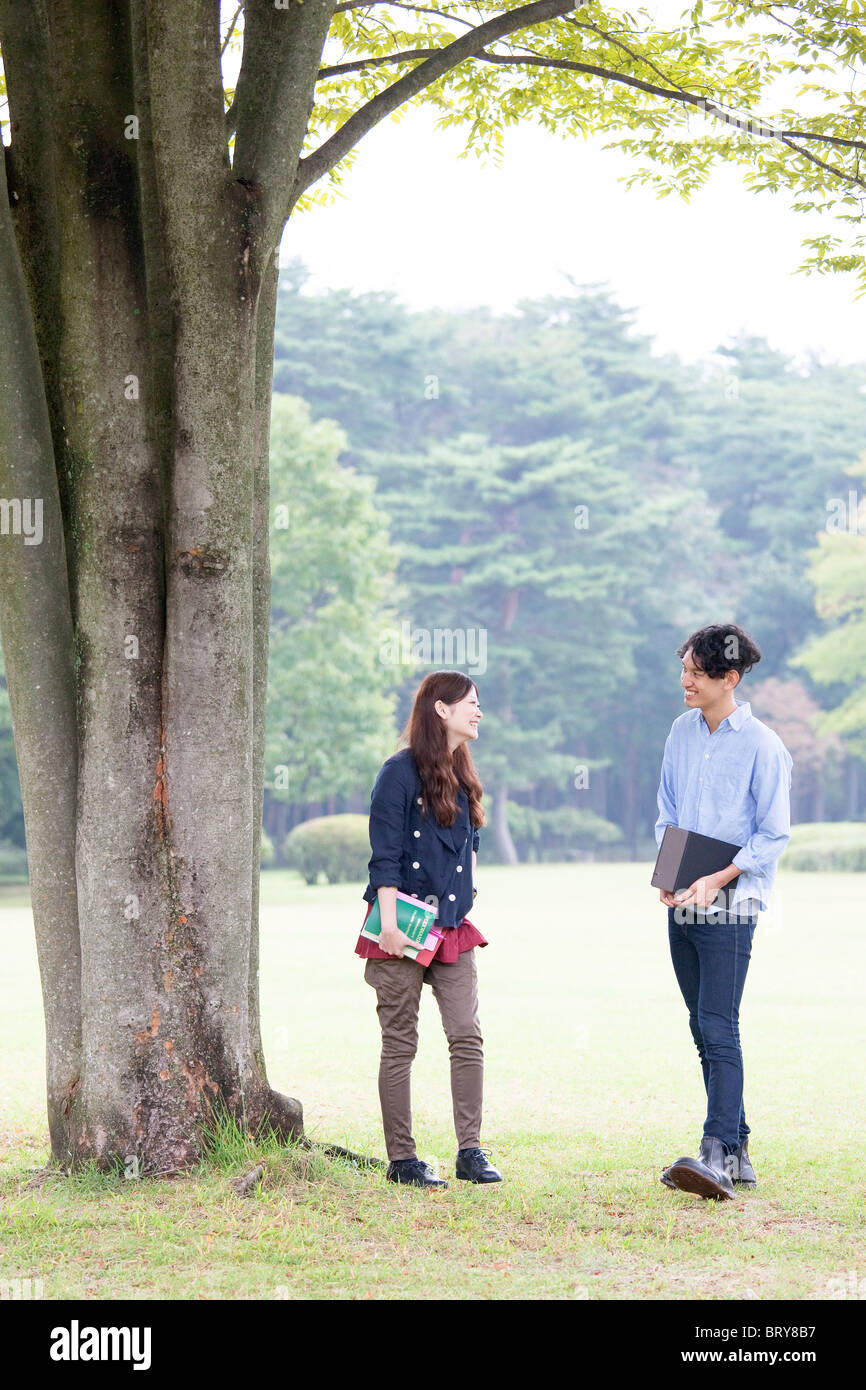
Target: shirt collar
pixel 736 718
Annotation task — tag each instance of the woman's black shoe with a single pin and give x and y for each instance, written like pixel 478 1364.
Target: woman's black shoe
pixel 413 1171
pixel 472 1166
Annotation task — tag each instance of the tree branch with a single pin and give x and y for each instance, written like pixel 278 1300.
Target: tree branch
pixel 374 62
pixel 821 163
pixel 398 5
pixel 232 118
pixel 713 110
pixel 231 29
pixel 443 60
pixel 750 125
pixel 282 52
pixel 618 43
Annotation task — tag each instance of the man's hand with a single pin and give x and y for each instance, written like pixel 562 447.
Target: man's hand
pixel 701 894
pixel 667 898
pixel 393 940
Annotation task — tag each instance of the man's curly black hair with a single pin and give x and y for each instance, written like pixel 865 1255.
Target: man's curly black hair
pixel 721 647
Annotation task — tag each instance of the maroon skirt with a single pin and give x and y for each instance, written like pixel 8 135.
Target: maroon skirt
pixel 456 940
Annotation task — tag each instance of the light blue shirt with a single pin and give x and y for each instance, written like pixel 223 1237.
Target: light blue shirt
pixel 734 785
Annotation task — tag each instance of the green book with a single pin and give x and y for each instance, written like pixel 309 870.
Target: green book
pixel 415 918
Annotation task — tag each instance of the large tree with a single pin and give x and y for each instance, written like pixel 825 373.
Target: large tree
pixel 141 208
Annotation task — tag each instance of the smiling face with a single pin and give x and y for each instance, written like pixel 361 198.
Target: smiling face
pixel 701 691
pixel 461 719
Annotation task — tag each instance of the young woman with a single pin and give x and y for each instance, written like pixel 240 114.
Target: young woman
pixel 424 818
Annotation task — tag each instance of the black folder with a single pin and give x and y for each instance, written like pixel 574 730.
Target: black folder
pixel 684 856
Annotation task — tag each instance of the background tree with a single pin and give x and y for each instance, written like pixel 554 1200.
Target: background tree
pixel 331 699
pixel 770 444
pixel 835 657
pixel 721 475
pixel 789 709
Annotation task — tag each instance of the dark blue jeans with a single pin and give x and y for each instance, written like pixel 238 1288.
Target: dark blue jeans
pixel 710 960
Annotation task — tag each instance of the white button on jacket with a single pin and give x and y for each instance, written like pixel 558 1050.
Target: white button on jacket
pixel 413 852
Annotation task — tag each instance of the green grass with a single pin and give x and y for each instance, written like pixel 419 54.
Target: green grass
pixel 592 1085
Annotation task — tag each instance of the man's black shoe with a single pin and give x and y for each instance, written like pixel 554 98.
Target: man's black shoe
pixel 743 1173
pixel 666 1180
pixel 708 1175
pixel 412 1170
pixel 472 1166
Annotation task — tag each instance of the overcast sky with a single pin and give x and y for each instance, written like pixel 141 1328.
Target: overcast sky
pixel 440 230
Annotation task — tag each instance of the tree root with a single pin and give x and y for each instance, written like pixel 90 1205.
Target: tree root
pixel 246 1184
pixel 337 1151
pixel 273 1112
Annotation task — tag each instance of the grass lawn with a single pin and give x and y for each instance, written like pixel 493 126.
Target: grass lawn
pixel 592 1085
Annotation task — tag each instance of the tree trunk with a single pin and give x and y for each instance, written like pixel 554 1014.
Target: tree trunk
pixel 818 790
pixel 138 283
pixel 505 849
pixel 852 789
pixel 628 799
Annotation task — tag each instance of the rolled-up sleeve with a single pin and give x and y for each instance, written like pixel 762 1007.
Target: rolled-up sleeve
pixel 387 823
pixel 771 788
pixel 666 798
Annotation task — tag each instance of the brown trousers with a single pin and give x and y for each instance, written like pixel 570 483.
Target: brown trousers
pixel 398 986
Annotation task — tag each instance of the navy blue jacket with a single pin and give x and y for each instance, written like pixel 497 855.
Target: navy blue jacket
pixel 413 852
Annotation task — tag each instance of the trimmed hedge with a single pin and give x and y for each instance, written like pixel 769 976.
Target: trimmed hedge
pixel 827 847
pixel 267 853
pixel 336 846
pixel 560 835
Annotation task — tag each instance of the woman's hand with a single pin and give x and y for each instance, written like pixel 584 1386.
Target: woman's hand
pixel 393 940
pixel 667 898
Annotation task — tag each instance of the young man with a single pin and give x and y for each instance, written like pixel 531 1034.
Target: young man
pixel 727 775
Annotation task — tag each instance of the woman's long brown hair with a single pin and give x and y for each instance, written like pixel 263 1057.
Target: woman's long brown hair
pixel 443 773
